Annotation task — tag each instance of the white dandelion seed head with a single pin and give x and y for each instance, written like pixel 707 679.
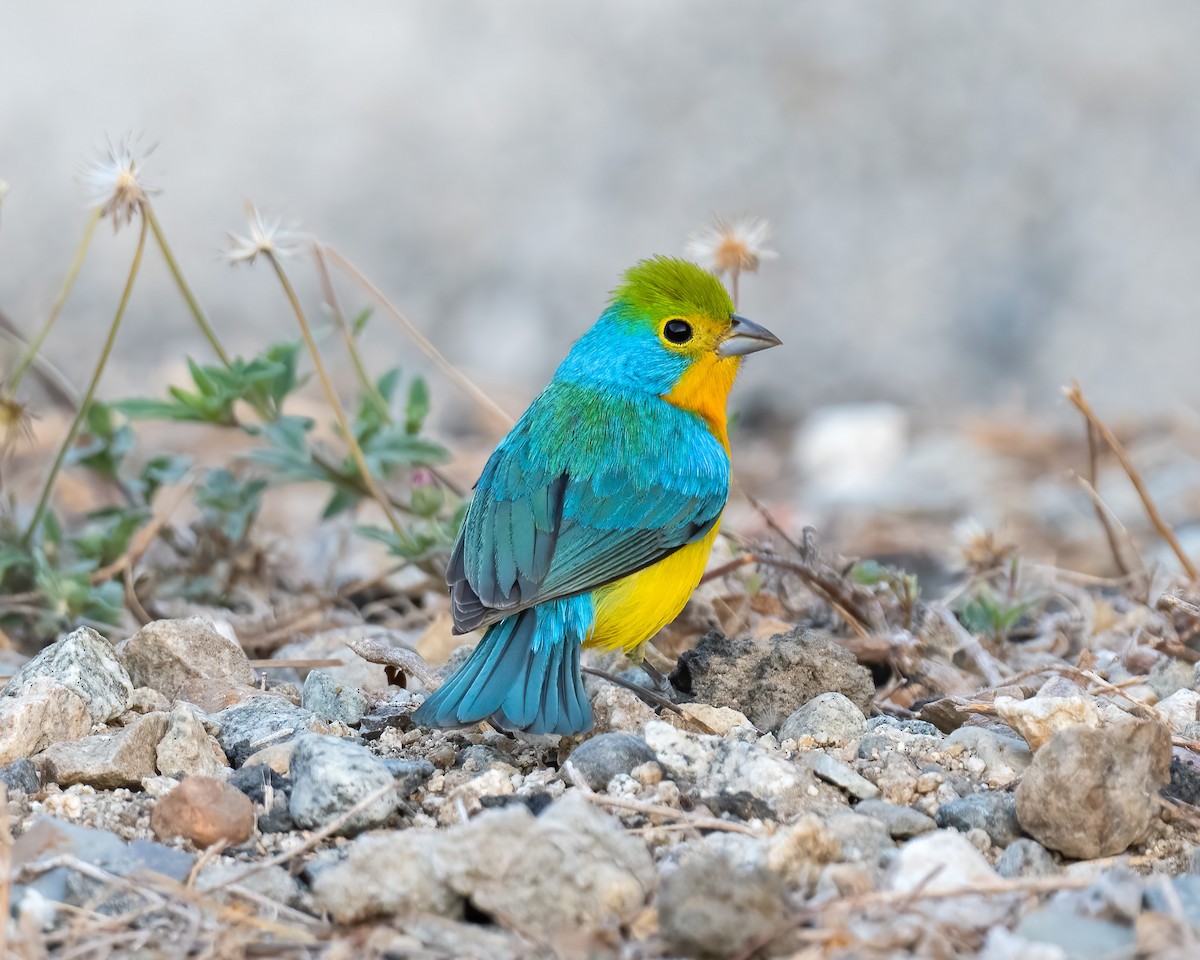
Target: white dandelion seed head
pixel 264 236
pixel 113 180
pixel 732 246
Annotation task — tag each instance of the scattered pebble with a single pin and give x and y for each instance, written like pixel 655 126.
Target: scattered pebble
pixel 187 749
pixel 85 663
pixel 329 776
pixel 259 722
pixel 331 699
pixel 828 720
pixel 21 776
pixel 844 777
pixel 204 811
pixel 712 906
pixel 46 714
pixel 122 757
pixel 902 822
pixel 994 812
pixel 604 756
pixel 1091 792
pixel 166 653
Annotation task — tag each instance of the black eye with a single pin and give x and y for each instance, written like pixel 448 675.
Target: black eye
pixel 678 331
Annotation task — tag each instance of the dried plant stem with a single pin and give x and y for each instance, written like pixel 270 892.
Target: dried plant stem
pixel 35 345
pixel 106 352
pixel 177 273
pixel 360 368
pixel 734 275
pixel 315 838
pixel 426 346
pixel 331 395
pixel 1114 547
pixel 1080 402
pixel 339 316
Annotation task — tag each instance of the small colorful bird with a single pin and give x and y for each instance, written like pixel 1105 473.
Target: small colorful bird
pixel 593 519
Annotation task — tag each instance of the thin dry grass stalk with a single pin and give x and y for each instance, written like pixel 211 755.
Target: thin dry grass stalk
pixel 1075 395
pixel 486 403
pixel 106 352
pixel 35 345
pixel 314 840
pixel 331 396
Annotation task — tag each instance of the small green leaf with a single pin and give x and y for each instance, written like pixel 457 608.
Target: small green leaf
pixel 417 408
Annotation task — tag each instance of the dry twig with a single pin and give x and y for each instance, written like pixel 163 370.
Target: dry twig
pixel 1080 402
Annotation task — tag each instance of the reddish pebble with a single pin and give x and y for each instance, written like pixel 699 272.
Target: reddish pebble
pixel 204 810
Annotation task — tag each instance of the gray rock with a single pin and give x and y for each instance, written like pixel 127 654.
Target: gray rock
pixel 1080 938
pixel 410 774
pixel 329 776
pixel 166 653
pixel 843 776
pixel 901 822
pixel 1004 758
pixel 573 867
pixel 247 727
pixel 274 883
pixel 885 736
pixel 605 755
pixel 830 720
pixel 47 712
pixel 268 790
pixel 187 749
pixel 123 757
pixel 86 664
pixel 863 839
pixel 49 838
pixel 730 775
pixel 331 699
pixel 946 860
pixel 1169 675
pixel 21 776
pixel 1092 792
pixel 768 680
pixel 994 813
pixel 1185 775
pixel 715 906
pixel 1026 858
pixel 1186 889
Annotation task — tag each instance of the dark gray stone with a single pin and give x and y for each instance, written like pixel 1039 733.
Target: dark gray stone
pixel 1185 776
pixel 606 755
pixel 994 813
pixel 410 774
pixel 259 722
pixel 329 776
pixel 1026 858
pixel 21 776
pixel 713 906
pixel 901 822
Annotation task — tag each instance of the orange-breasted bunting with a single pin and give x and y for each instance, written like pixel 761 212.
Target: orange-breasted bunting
pixel 593 520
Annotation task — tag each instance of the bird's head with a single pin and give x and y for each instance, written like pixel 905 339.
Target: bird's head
pixel 670 323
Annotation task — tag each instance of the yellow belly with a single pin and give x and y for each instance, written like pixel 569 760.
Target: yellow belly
pixel 632 610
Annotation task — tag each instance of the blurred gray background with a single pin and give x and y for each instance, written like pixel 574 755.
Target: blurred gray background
pixel 973 202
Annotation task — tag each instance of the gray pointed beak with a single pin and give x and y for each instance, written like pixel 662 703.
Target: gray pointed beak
pixel 746 336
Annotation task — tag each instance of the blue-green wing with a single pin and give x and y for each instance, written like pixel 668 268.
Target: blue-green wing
pixel 586 489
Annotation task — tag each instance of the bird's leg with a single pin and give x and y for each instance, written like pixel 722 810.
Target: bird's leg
pixel 662 685
pixel 644 694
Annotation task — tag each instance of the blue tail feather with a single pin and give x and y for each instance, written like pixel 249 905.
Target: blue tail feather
pixel 523 675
